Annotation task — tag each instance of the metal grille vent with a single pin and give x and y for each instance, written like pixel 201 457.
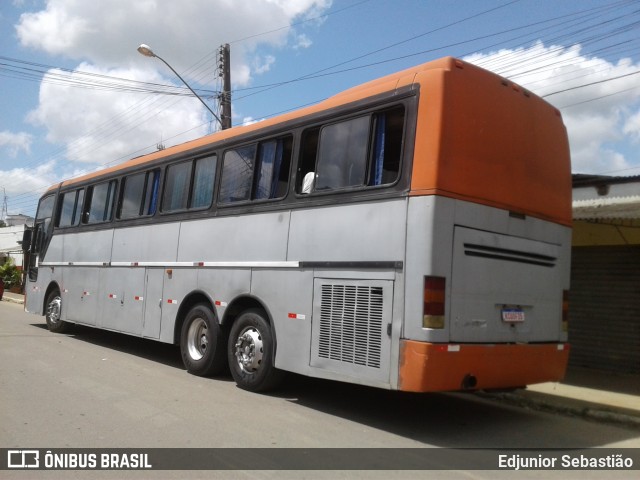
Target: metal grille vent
pixel 351 324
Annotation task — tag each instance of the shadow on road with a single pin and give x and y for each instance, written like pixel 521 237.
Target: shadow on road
pixel 455 420
pixel 141 347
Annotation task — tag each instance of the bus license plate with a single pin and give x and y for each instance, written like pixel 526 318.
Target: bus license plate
pixel 512 315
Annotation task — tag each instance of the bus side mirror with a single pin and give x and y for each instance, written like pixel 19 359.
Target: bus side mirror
pixel 26 239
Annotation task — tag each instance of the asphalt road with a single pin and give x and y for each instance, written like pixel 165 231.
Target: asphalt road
pixel 97 389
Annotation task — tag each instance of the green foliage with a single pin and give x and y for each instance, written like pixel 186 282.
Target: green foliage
pixel 10 274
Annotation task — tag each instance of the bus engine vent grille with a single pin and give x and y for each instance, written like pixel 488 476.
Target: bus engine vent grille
pixel 351 324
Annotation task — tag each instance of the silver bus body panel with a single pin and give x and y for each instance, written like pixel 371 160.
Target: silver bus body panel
pixel 256 237
pixel 525 256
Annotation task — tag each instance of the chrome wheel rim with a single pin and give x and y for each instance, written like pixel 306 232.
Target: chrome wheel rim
pixel 249 350
pixel 53 310
pixel 198 339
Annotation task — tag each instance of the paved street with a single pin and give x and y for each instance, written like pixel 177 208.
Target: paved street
pixel 92 388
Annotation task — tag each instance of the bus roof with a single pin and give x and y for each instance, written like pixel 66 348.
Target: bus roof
pixel 480 138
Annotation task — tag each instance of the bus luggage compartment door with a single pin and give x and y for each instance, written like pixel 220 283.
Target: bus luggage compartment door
pixel 504 288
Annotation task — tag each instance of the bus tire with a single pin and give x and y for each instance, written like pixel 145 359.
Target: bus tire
pixel 202 342
pixel 251 353
pixel 53 313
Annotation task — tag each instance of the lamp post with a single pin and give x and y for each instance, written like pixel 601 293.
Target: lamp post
pixel 147 52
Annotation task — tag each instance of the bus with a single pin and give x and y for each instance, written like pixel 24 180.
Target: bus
pixel 412 233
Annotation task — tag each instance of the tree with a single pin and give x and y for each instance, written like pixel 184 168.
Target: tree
pixel 10 274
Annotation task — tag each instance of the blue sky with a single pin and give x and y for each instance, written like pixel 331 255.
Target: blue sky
pixel 76 96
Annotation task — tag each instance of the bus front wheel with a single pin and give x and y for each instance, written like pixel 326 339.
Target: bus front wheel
pixel 251 352
pixel 202 342
pixel 53 313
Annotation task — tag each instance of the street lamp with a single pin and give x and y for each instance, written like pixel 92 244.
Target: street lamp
pixel 147 52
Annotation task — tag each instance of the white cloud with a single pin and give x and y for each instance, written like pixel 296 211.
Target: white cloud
pixel 632 126
pixel 97 126
pixel 100 126
pixel 601 119
pixel 15 142
pixel 34 181
pixel 262 65
pixel 302 41
pixel 107 32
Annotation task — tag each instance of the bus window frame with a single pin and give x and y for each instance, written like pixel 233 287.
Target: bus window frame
pixel 256 162
pixel 370 112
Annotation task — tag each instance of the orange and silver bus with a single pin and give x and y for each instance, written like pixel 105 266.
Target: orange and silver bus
pixel 412 233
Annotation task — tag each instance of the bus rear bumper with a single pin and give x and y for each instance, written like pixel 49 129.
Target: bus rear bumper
pixel 430 367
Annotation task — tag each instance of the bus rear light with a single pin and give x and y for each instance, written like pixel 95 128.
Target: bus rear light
pixel 433 302
pixel 565 310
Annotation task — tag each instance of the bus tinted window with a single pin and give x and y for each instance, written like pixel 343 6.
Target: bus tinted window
pixel 45 209
pixel 363 151
pixel 100 202
pixel 387 146
pixel 139 195
pixel 342 155
pixel 176 187
pixel 237 174
pixel 70 208
pixel 203 180
pixel 272 170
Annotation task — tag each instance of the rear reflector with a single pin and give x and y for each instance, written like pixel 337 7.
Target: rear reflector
pixel 433 302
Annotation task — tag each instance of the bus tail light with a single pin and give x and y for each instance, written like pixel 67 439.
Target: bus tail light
pixel 433 302
pixel 565 310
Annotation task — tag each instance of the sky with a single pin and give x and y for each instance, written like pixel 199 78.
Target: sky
pixel 76 96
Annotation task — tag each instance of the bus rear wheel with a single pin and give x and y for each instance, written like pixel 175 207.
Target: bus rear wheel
pixel 53 313
pixel 251 353
pixel 202 342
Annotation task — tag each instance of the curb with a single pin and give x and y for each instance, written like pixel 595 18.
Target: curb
pixel 568 406
pixel 9 299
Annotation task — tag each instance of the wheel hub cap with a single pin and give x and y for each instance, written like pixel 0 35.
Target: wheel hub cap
pixel 249 350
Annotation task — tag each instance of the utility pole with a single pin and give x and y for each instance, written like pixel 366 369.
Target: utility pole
pixel 225 96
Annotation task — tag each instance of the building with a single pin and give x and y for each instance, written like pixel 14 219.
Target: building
pixel 11 236
pixel 604 318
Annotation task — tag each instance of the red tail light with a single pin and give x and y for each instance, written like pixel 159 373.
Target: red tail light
pixel 433 302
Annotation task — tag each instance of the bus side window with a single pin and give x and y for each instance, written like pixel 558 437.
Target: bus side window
pixel 70 209
pixel 342 154
pixel 139 195
pixel 387 146
pixel 237 174
pixel 305 176
pixel 100 200
pixel 204 178
pixel 176 187
pixel 272 169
